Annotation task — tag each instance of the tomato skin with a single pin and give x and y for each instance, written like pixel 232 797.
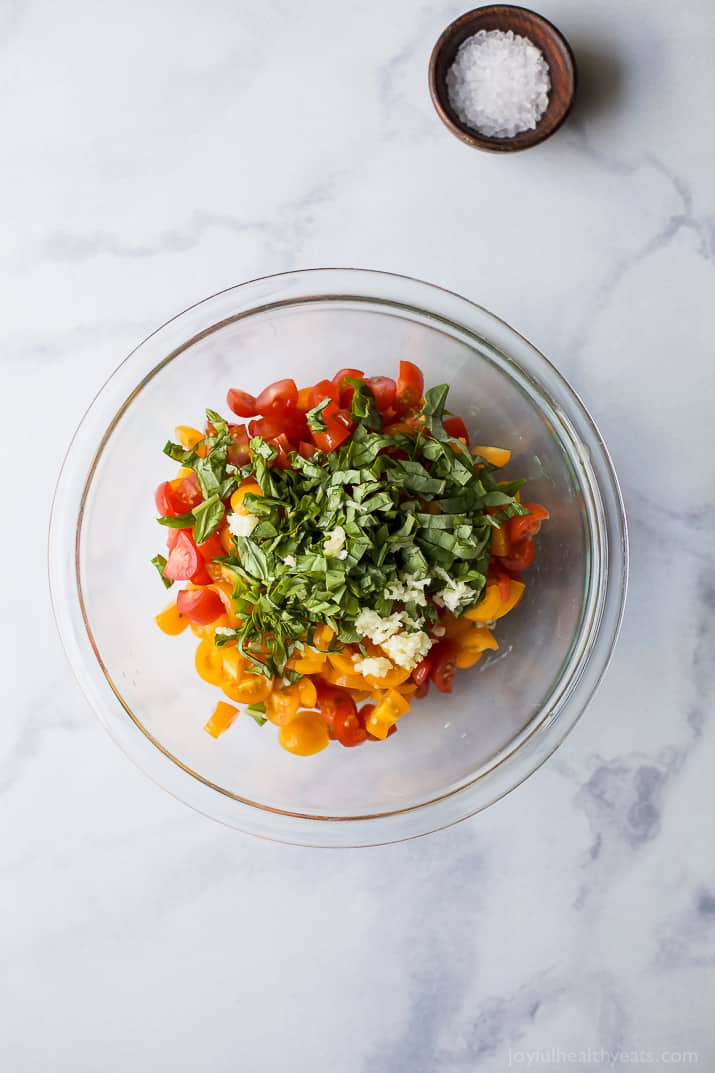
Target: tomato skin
pixel 211 548
pixel 238 453
pixel 200 606
pixel 283 418
pixel 444 666
pixel 456 427
pixel 410 387
pixel 284 448
pixel 338 427
pixel 383 388
pixel 283 392
pixel 521 558
pixel 324 389
pixel 346 391
pixel 177 497
pixel 241 403
pixel 422 690
pixel 306 450
pixel 184 560
pixel 525 526
pixel 160 499
pixel 340 713
pixel 423 670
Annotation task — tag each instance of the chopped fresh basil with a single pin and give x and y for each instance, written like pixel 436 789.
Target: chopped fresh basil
pixel 314 417
pixel 160 562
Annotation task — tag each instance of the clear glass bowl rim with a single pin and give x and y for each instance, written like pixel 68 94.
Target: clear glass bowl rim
pixel 587 450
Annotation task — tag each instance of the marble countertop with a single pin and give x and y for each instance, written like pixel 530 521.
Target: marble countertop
pixel 154 154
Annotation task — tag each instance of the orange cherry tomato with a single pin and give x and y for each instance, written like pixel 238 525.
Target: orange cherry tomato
pixel 221 719
pixel 305 735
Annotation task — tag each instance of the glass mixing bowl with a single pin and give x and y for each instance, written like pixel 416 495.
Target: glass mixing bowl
pixel 453 755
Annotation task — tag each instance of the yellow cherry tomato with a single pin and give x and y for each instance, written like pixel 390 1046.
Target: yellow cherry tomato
pixel 307 692
pixel 171 621
pixel 305 735
pixel 239 495
pixel 223 715
pixel 500 542
pixel 492 606
pixel 496 456
pixel 209 662
pixel 395 677
pixel 251 689
pixel 342 661
pixel 188 437
pixel 311 663
pixel 322 638
pixel 465 658
pixel 478 639
pixel 226 537
pixel 282 706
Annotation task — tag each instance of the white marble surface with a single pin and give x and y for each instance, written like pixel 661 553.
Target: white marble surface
pixel 155 153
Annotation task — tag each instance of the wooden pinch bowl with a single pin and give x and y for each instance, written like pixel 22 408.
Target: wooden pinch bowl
pixel 543 34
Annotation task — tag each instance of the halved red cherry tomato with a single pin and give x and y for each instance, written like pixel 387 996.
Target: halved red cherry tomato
pixel 423 670
pixel 522 556
pixel 173 535
pixel 238 453
pixel 346 391
pixel 422 690
pixel 282 392
pixel 383 388
pixel 338 427
pixel 211 548
pixel 284 448
pixel 410 387
pixel 335 705
pixel 324 389
pixel 348 729
pixel 456 427
pixel 200 606
pixel 444 666
pixel 528 525
pixel 184 560
pixel 242 404
pixel 177 497
pixel 281 418
pixel 306 450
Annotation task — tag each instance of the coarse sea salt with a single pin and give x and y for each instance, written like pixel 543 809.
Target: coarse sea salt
pixel 499 83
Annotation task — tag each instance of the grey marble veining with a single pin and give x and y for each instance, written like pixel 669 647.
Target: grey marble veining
pixel 153 154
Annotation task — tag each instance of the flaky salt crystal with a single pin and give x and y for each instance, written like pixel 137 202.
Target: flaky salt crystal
pixel 499 83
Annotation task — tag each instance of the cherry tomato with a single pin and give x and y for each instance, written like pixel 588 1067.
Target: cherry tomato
pixel 173 536
pixel 325 389
pixel 284 448
pixel 365 713
pixel 383 388
pixel 335 704
pixel 184 560
pixel 178 497
pixel 346 391
pixel 422 690
pixel 201 606
pixel 282 392
pixel 423 670
pixel 242 404
pixel 304 399
pixel 280 418
pixel 338 427
pixel 306 450
pixel 409 426
pixel 410 387
pixel 238 453
pixel 444 665
pixel 348 729
pixel 522 556
pixel 211 548
pixel 456 428
pixel 528 525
